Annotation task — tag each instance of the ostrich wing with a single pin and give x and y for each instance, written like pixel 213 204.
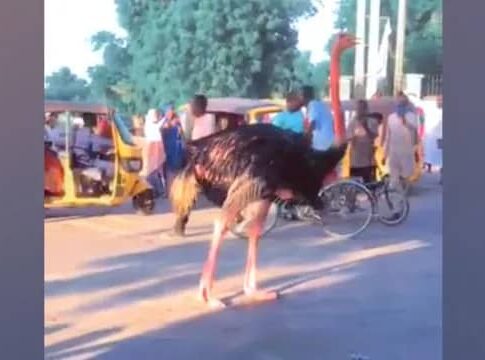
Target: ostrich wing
pixel 244 191
pixel 259 158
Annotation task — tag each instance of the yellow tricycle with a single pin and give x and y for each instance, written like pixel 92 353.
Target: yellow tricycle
pixel 91 159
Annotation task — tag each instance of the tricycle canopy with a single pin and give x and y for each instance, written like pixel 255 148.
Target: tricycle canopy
pixel 79 107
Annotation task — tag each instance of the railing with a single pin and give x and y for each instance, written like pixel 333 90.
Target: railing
pixel 432 85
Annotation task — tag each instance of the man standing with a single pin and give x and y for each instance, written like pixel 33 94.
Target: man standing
pixel 399 142
pixel 320 123
pixel 153 151
pixel 204 124
pixel 320 120
pixel 362 132
pixel 292 119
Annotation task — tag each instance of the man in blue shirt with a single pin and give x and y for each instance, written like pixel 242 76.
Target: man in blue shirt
pixel 292 119
pixel 320 119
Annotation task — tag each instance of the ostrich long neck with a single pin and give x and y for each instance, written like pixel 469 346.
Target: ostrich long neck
pixel 335 92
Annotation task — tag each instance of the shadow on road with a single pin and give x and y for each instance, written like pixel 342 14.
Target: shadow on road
pixel 51 329
pixel 309 322
pixel 59 350
pixel 65 214
pixel 370 295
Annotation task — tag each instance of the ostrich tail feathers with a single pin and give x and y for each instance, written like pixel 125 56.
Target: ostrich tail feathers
pixel 184 191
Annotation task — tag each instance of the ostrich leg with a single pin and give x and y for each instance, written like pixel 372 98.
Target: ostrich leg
pixel 255 228
pixel 207 278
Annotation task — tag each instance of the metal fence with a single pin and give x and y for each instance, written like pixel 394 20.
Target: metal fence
pixel 432 85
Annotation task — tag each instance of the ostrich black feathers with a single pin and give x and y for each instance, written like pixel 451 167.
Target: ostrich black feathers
pixel 254 161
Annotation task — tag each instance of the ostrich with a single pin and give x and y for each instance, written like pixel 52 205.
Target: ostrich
pixel 246 169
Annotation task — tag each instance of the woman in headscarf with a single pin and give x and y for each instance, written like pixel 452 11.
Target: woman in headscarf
pixel 153 151
pixel 173 140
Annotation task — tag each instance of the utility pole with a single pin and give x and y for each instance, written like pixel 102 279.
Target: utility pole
pixel 373 52
pixel 359 68
pixel 400 41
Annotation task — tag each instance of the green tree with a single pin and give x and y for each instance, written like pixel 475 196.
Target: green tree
pixel 66 86
pixel 308 73
pixel 110 81
pixel 218 47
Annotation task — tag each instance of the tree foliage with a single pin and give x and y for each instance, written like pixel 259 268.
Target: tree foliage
pixel 423 51
pixel 110 81
pixel 219 47
pixel 307 73
pixel 66 86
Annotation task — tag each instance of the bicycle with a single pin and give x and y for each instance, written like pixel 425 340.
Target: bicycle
pixel 381 190
pixel 334 207
pixel 340 201
pixel 382 198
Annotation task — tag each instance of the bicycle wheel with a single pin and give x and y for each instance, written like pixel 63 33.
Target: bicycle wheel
pixel 392 207
pixel 239 229
pixel 348 208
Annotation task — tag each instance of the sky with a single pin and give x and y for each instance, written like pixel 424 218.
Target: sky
pixel 69 24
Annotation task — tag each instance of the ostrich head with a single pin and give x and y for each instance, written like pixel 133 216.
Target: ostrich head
pixel 345 41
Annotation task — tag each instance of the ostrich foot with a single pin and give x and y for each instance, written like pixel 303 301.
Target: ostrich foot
pixel 261 295
pixel 209 300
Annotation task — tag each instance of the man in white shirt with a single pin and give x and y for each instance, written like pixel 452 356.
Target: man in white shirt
pixel 399 142
pixel 204 124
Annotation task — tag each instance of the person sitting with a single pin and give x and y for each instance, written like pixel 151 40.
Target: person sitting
pixel 81 143
pixel 53 172
pixel 102 149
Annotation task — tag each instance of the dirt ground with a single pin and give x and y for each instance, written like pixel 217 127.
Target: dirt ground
pixel 116 288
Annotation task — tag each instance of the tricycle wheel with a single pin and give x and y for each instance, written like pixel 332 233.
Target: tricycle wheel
pixel 144 202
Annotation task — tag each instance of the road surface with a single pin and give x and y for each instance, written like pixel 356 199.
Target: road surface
pixel 116 288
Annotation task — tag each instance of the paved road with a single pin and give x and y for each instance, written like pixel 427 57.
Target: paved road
pixel 116 289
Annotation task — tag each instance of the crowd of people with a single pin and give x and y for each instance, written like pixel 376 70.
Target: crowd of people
pixel 367 131
pixel 164 136
pixel 397 135
pixel 92 148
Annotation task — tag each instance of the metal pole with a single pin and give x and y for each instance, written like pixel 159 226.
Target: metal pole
pixel 373 52
pixel 400 42
pixel 359 68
